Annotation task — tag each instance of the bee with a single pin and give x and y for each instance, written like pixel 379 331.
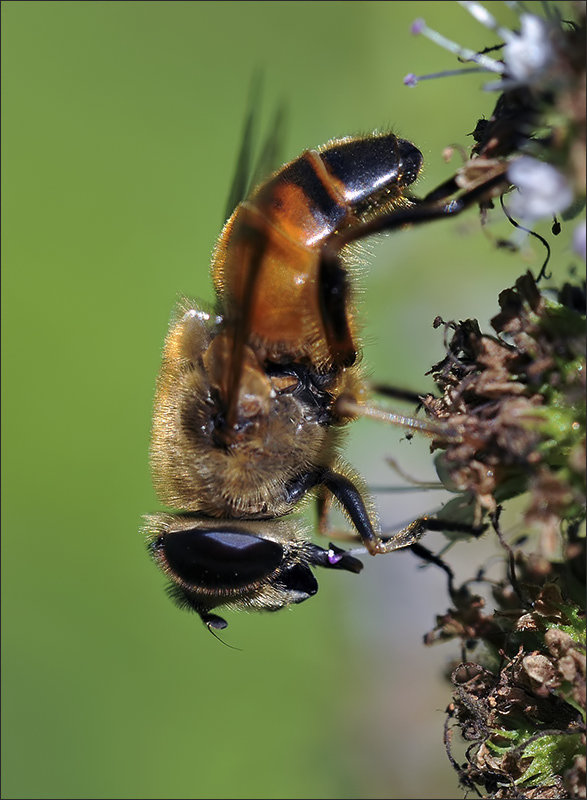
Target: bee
pixel 253 396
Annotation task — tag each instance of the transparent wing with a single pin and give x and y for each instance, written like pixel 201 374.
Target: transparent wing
pixel 270 155
pixel 243 170
pixel 240 326
pixel 245 179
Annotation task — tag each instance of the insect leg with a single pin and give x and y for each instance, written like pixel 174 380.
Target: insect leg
pixel 346 406
pixel 350 498
pixel 333 286
pixel 406 537
pixel 331 484
pixel 333 292
pixel 428 209
pixel 397 393
pixel 409 536
pixel 323 504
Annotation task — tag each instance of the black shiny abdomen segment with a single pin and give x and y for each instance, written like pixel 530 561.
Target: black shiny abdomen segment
pixel 219 558
pixel 371 165
pixel 327 213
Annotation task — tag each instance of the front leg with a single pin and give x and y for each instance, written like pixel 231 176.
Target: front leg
pixel 349 497
pixel 351 500
pixel 347 407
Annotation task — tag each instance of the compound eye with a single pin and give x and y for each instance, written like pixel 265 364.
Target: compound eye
pixel 219 559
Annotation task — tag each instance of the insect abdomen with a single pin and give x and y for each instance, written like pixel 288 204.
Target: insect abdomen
pixel 268 256
pixel 322 190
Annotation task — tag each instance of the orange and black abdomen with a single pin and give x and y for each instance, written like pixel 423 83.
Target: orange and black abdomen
pixel 268 269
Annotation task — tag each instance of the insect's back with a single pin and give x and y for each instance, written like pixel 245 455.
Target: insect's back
pixel 267 263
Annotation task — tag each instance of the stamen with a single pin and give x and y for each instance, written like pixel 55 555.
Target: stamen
pixel 487 63
pixel 413 80
pixel 482 15
pixel 514 5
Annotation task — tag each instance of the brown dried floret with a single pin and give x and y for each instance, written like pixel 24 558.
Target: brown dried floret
pixel 516 400
pixel 495 711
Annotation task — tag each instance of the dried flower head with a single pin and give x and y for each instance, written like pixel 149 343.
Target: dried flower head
pixel 538 123
pixel 517 398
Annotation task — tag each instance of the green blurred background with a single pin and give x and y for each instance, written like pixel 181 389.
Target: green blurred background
pixel 121 123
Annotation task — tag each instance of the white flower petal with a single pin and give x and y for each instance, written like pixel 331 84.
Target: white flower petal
pixel 530 53
pixel 542 190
